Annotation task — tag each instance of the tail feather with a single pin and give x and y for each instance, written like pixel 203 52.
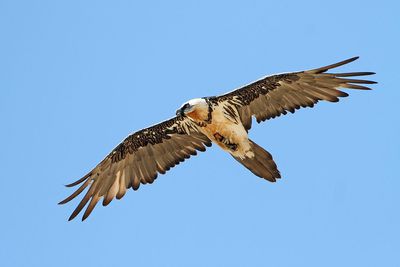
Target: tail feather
pixel 262 164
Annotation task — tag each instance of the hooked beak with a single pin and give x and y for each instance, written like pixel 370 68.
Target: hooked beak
pixel 180 112
pixel 184 110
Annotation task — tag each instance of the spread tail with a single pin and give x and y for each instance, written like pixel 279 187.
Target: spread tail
pixel 261 164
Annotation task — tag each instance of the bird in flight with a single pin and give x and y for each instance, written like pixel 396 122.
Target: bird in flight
pixel 224 120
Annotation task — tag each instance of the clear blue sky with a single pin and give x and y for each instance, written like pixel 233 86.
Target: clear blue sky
pixel 76 77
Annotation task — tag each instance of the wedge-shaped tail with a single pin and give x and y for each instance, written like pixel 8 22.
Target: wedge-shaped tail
pixel 262 164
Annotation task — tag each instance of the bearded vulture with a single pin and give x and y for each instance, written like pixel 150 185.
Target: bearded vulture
pixel 224 120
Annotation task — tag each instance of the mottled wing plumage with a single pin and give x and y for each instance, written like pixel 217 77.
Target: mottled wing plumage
pixel 138 160
pixel 152 151
pixel 278 94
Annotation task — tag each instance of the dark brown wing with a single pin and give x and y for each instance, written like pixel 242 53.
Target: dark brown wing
pixel 138 160
pixel 278 94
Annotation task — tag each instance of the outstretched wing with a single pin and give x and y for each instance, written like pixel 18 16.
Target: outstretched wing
pixel 138 160
pixel 278 94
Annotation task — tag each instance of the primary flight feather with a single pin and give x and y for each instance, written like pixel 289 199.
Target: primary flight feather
pixel 224 120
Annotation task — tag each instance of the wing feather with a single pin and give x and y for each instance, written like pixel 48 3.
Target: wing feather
pixel 122 185
pixel 278 94
pixel 138 160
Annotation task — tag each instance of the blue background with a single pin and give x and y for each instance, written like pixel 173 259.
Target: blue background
pixel 76 77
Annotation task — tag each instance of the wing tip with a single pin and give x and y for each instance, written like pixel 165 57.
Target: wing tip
pixel 353 58
pixel 73 215
pixel 79 181
pixel 335 65
pixel 71 218
pixel 62 202
pixel 85 216
pixel 106 201
pixel 349 60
